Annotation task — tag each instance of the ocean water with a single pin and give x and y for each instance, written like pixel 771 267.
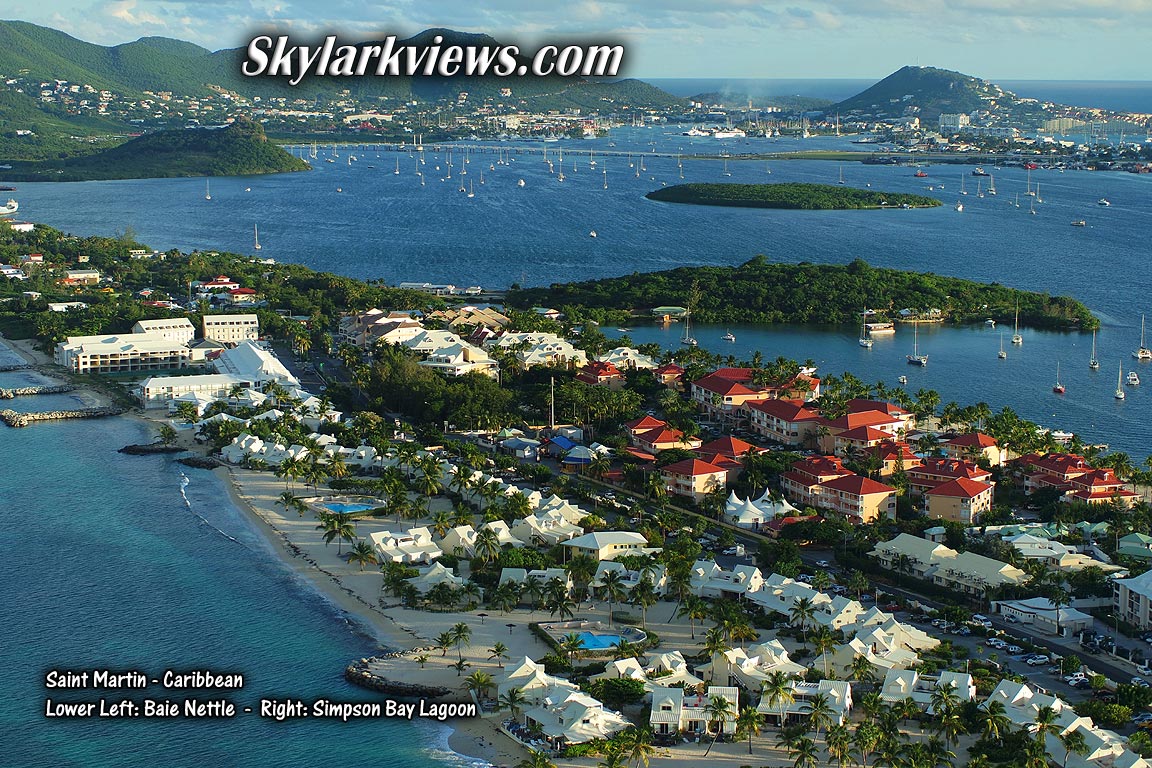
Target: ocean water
pixel 106 567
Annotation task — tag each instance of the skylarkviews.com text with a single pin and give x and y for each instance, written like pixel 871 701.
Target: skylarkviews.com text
pixel 276 56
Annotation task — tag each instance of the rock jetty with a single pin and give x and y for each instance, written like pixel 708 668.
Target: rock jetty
pixel 200 462
pixel 151 448
pixel 17 419
pixel 360 673
pixel 55 389
pixel 18 367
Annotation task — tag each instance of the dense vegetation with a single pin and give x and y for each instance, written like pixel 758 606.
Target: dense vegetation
pixel 238 150
pixel 761 292
pixel 795 196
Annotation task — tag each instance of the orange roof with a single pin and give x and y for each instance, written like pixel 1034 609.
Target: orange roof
pixel 869 418
pixel 728 446
pixel 857 485
pixel 961 487
pixel 664 434
pixel 693 468
pixel 644 422
pixel 786 410
pixel 722 385
pixel 936 465
pixel 973 439
pixel 859 405
pixel 890 450
pixel 864 434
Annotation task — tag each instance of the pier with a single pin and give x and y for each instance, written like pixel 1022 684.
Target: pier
pixel 9 394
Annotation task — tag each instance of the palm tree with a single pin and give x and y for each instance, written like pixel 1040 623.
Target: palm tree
pixel 824 641
pixel 167 432
pixel 819 712
pixel 461 637
pixel 612 588
pixel 778 691
pixel 715 644
pixel 613 758
pixel 362 553
pixel 636 743
pixel 694 609
pixel 512 700
pixel 499 652
pixel 1073 741
pixel 860 670
pixel 570 645
pixel 479 683
pixel 536 759
pixel 801 613
pixel 995 721
pixel 866 739
pixel 804 753
pixel 748 724
pixel 718 710
pixel 1045 723
pixel 487 545
pixel 339 527
pixel 460 665
pixel 444 641
pixel 822 581
pixel 582 569
pixel 441 523
pixel 644 595
pixel 838 742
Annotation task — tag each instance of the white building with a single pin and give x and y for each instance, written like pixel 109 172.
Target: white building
pixel 1043 615
pixel 231 329
pixel 256 364
pixel 575 719
pixel 178 329
pixel 674 712
pixel 900 684
pixel 122 353
pixel 160 391
pixel 411 547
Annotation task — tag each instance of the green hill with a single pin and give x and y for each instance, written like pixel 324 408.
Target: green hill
pixel 925 92
pixel 240 149
pixel 791 195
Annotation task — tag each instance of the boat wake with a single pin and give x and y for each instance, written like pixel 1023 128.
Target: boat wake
pixel 184 481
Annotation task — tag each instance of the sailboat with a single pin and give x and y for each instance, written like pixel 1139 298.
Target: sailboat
pixel 1142 353
pixel 688 338
pixel 1058 388
pixel 728 336
pixel 992 186
pixel 397 171
pixel 256 234
pixel 207 190
pixel 1119 394
pixel 1032 206
pixel 979 190
pixel 1093 363
pixel 1028 185
pixel 470 192
pixel 1016 337
pixel 841 175
pixel 726 172
pixel 1017 199
pixel 962 186
pixel 916 358
pixel 1002 354
pixel 1038 198
pixel 865 340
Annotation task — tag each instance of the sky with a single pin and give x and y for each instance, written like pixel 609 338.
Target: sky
pixel 993 39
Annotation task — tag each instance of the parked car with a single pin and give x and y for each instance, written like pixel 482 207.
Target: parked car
pixel 1014 649
pixel 1082 684
pixel 1011 619
pixel 1143 717
pixel 963 632
pixel 1140 682
pixel 822 564
pixel 1036 661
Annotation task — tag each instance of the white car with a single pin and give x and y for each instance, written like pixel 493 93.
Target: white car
pixel 1036 661
pixel 1014 649
pixel 823 564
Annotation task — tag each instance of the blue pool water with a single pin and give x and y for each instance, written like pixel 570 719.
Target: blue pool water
pixel 595 641
pixel 345 507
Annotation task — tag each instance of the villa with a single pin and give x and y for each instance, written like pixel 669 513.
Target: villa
pixel 674 711
pixel 693 478
pixel 575 719
pixel 414 546
pixel 838 694
pixel 901 684
pixel 965 571
pixel 609 545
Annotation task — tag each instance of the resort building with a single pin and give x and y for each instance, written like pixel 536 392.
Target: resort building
pixel 163 391
pixel 934 471
pixel 533 682
pixel 433 576
pixel 674 712
pixel 966 572
pixel 462 358
pixel 124 353
pixel 693 478
pixel 255 364
pixel 838 694
pixel 711 581
pixel 575 719
pixel 231 329
pixel 790 422
pixel 901 684
pixel 669 669
pixel 1135 545
pixel 555 354
pixel 662 438
pixel 1043 615
pixel 178 329
pixel 822 481
pixel 749 669
pixel 960 500
pixel 884 426
pixel 1075 477
pixel 656 575
pixel 1132 599
pixel 628 358
pixel 546 528
pixel 751 514
pixel 972 446
pixel 411 547
pixel 599 373
pixel 894 455
pixel 608 545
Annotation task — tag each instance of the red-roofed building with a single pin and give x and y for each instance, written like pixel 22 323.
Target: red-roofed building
pixel 727 452
pixel 973 445
pixel 693 478
pixel 790 422
pixel 242 296
pixel 723 393
pixel 860 497
pixel 878 420
pixel 960 500
pixel 643 424
pixel 858 440
pixel 669 375
pixel 937 470
pixel 218 283
pixel 601 374
pixel 1098 487
pixel 894 455
pixel 1055 470
pixel 860 405
pixel 663 438
pixel 801 484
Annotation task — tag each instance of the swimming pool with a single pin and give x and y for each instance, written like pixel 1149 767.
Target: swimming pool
pixel 596 641
pixel 346 507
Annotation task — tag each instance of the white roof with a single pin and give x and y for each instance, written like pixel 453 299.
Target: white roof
pixel 601 539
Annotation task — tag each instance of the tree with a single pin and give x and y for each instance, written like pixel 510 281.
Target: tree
pixel 715 643
pixel 804 753
pixel 1073 741
pixel 718 710
pixel 167 434
pixel 644 595
pixel 860 670
pixel 339 527
pixel 461 637
pixel 536 759
pixel 779 693
pixel 612 589
pixel 362 553
pixel 460 665
pixel 748 724
pixel 824 641
pixel 479 683
pixel 694 609
pixel 801 613
pixel 444 641
pixel 512 700
pixel 838 742
pixel 499 652
pixel 819 711
pixel 995 722
pixel 637 744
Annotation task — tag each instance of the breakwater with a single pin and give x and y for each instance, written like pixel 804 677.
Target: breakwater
pixel 54 389
pixel 18 367
pixel 17 419
pixel 360 673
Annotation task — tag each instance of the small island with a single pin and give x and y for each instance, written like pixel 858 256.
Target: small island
pixel 240 149
pixel 791 196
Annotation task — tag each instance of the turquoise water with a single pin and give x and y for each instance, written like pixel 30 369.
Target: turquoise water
pixel 343 508
pixel 598 641
pixel 105 566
